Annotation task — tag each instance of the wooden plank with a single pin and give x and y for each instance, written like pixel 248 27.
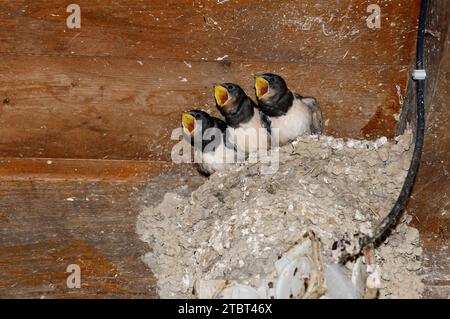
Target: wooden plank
pixel 430 200
pixel 113 108
pixel 47 225
pixel 115 88
pixel 42 233
pixel 113 91
pixel 41 169
pixel 249 30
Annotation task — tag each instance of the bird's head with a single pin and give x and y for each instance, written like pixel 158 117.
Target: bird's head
pixel 270 88
pixel 228 97
pixel 195 122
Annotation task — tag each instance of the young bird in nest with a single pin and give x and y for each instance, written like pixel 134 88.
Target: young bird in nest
pixel 207 134
pixel 291 113
pixel 248 127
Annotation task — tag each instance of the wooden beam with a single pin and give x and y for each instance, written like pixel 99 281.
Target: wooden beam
pixel 115 88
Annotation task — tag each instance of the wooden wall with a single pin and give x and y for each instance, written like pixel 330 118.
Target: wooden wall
pixel 430 201
pixel 85 117
pixel 114 89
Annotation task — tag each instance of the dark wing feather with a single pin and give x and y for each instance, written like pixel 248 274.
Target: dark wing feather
pixel 220 124
pixel 266 122
pixel 313 105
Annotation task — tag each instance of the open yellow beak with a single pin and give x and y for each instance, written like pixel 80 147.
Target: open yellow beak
pixel 221 94
pixel 188 123
pixel 261 86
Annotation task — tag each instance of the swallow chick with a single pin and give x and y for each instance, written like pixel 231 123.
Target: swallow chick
pixel 290 113
pixel 207 134
pixel 248 128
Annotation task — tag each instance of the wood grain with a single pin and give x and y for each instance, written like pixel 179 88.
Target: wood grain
pixel 104 108
pixel 39 169
pixel 43 232
pixel 115 88
pixel 100 103
pixel 430 201
pixel 249 30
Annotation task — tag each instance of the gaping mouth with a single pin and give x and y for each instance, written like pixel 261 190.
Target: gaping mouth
pixel 221 95
pixel 261 86
pixel 188 122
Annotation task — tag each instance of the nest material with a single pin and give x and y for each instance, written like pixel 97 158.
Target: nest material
pixel 237 224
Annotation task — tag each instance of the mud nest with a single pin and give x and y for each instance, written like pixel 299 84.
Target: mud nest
pixel 236 225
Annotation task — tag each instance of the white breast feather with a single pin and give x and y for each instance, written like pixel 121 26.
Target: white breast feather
pixel 221 159
pixel 250 136
pixel 295 123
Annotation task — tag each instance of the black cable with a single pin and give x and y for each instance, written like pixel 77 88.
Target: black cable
pixel 391 218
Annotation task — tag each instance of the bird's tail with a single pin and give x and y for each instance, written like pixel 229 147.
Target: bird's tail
pixel 316 123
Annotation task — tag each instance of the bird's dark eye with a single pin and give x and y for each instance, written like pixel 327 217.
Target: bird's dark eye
pixel 271 80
